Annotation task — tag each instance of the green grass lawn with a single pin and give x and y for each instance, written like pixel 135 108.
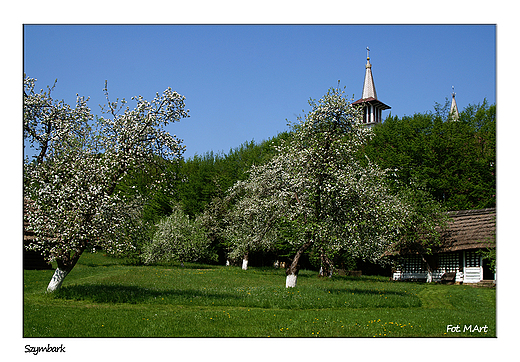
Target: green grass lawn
pixel 103 297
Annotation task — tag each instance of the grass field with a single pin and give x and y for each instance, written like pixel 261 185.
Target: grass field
pixel 103 297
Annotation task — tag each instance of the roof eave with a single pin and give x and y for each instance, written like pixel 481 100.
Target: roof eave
pixel 372 101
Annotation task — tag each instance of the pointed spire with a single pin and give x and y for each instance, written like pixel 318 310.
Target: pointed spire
pixel 372 107
pixel 454 111
pixel 369 89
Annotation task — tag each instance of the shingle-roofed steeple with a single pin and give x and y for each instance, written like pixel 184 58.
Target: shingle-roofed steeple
pixel 372 107
pixel 369 89
pixel 454 111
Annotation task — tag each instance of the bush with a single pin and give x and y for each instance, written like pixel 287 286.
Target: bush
pixel 178 238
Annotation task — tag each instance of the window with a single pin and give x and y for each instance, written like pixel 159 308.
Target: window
pixel 449 262
pixel 413 264
pixel 472 259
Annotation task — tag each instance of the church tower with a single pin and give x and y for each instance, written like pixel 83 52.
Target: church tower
pixel 454 111
pixel 372 107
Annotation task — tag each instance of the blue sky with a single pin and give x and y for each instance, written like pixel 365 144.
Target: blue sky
pixel 242 82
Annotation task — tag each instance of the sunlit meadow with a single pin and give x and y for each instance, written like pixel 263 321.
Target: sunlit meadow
pixel 104 297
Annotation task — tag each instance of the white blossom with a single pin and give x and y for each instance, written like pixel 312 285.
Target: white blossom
pixel 319 188
pixel 81 160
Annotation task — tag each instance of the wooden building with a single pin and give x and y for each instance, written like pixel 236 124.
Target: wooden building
pixel 458 259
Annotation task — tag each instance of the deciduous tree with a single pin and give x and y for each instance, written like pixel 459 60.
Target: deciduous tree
pixel 317 188
pixel 81 161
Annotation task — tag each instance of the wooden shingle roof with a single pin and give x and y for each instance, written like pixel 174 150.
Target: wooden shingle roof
pixel 375 102
pixel 470 229
pixel 465 230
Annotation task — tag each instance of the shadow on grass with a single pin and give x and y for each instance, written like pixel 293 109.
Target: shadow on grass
pixel 359 291
pixel 107 293
pixel 98 265
pixel 131 263
pixel 308 299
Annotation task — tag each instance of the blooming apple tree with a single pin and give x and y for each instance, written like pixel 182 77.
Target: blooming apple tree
pixel 320 190
pixel 80 162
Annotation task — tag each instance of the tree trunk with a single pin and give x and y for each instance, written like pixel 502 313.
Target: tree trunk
pixel 65 265
pixel 245 261
pixel 56 280
pixel 429 275
pixel 292 271
pixel 290 280
pixel 327 266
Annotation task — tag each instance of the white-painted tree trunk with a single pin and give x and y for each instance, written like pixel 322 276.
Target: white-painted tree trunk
pixel 56 280
pixel 228 263
pixel 244 264
pixel 290 281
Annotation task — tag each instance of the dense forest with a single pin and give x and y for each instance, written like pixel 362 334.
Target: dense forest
pixel 454 160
